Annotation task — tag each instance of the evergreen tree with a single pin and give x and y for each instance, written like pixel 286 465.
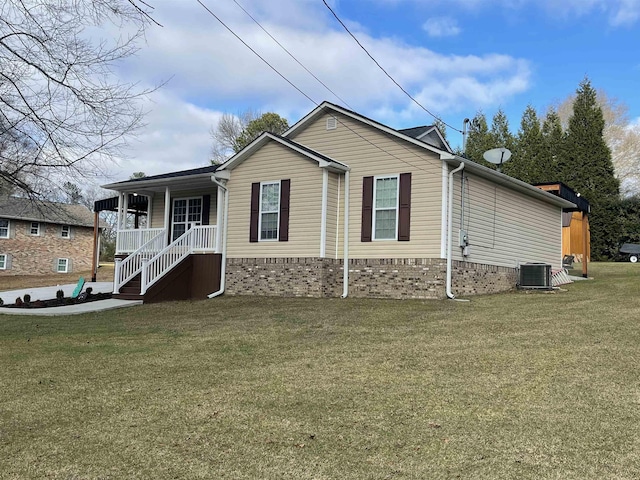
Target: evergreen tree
pixel 553 142
pixel 525 164
pixel 501 136
pixel 586 167
pixel 479 139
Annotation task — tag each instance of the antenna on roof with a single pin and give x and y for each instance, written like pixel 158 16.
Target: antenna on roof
pixel 497 156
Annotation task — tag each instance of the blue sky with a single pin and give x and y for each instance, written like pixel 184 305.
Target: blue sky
pixel 455 56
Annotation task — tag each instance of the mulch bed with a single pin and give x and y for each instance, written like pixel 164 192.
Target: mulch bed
pixel 58 302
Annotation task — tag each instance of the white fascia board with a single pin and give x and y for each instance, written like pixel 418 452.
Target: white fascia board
pixel 141 185
pixel 320 109
pixel 507 181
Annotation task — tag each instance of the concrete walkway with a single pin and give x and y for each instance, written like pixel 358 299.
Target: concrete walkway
pixel 47 293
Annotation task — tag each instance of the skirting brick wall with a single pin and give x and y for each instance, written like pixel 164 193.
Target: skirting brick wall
pixel 373 278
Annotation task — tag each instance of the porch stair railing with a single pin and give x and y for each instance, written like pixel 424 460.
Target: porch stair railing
pixel 131 266
pixel 196 239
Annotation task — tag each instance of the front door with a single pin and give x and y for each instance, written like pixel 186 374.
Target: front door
pixel 187 213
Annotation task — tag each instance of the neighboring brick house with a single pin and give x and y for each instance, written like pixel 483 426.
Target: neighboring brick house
pixel 38 238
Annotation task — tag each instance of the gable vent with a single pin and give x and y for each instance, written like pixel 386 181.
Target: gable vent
pixel 332 123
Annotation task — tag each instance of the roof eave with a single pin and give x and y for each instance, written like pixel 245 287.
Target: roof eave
pixel 506 180
pixel 142 185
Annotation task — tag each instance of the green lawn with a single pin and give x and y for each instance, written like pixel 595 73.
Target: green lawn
pixel 518 385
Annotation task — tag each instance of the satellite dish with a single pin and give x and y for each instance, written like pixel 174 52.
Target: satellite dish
pixel 497 155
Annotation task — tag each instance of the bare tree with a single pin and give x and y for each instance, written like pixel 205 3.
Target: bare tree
pixel 226 133
pixel 622 137
pixel 63 114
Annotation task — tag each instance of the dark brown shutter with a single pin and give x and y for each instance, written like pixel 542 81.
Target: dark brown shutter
pixel 404 214
pixel 206 209
pixel 255 212
pixel 367 209
pixel 285 193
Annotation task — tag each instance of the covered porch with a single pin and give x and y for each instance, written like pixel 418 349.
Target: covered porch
pixel 162 220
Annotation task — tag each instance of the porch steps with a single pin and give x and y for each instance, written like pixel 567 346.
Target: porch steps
pixel 131 290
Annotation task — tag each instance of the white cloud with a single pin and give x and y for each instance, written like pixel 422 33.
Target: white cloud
pixel 619 13
pixel 441 27
pixel 211 72
pixel 176 138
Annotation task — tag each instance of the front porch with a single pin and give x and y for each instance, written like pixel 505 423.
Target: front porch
pixel 176 217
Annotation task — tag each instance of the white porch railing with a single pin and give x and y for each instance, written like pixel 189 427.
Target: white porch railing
pixel 199 239
pixel 128 268
pixel 129 241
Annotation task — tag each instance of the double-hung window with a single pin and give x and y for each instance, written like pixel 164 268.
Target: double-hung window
pixel 4 228
pixel 385 211
pixel 34 229
pixel 3 262
pixel 65 231
pixel 269 210
pixel 62 265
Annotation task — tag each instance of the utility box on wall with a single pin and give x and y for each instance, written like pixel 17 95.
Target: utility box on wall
pixel 535 275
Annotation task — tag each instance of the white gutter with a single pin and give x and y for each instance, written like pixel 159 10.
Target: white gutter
pixel 223 266
pixel 450 228
pixel 345 275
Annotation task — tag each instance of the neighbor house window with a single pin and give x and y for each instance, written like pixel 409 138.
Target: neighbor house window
pixel 3 262
pixel 385 212
pixel 269 210
pixel 4 228
pixel 63 265
pixel 65 232
pixel 34 229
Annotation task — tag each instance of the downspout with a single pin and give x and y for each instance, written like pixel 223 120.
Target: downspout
pixel 345 274
pixel 223 266
pixel 450 228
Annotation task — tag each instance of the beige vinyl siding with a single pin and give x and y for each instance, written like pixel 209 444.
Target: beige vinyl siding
pixel 275 162
pixel 370 152
pixel 505 227
pixel 157 209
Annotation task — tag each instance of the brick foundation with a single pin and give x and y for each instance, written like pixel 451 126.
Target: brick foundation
pixel 368 278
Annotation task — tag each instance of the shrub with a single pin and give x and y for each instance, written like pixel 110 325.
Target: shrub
pixel 60 294
pixel 89 290
pixel 18 302
pixel 1 302
pixel 27 298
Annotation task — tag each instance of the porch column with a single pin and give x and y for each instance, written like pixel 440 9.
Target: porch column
pixel 585 243
pixel 125 210
pixel 118 222
pixel 96 246
pixel 149 209
pixel 219 219
pixel 167 212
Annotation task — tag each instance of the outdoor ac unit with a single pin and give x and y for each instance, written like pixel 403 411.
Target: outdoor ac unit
pixel 535 275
